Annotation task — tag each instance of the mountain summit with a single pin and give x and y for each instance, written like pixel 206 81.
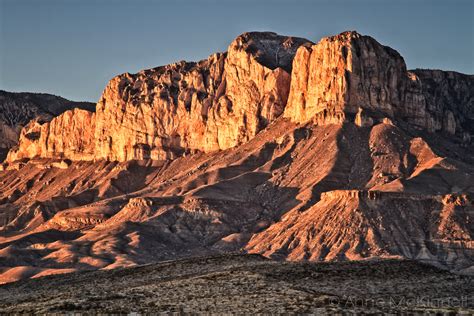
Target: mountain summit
pixel 281 147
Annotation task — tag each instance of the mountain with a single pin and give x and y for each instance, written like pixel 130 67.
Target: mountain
pixel 18 109
pixel 164 112
pixel 298 151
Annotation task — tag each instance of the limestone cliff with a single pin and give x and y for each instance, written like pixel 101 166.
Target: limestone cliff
pixel 349 73
pixel 69 135
pixel 214 104
pixel 226 99
pixel 17 109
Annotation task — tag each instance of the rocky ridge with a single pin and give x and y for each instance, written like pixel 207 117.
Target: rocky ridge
pixel 185 107
pixel 225 100
pixel 351 74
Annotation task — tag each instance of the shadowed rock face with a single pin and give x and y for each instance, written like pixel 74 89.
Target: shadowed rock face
pixel 350 157
pixel 449 99
pixel 269 49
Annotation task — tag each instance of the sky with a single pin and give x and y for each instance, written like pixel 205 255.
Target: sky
pixel 72 48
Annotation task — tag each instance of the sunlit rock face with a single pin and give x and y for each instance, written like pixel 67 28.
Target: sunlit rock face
pixel 69 135
pixel 19 108
pixel 214 104
pixel 349 72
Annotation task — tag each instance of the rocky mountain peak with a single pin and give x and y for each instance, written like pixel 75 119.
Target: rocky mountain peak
pixel 269 49
pixel 340 75
pixel 344 36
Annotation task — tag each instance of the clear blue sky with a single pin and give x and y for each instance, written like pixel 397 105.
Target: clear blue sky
pixel 73 47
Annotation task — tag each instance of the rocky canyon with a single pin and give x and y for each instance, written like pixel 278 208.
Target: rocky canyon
pixel 281 147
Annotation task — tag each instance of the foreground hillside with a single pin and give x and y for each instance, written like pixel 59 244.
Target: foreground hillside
pixel 281 147
pixel 248 284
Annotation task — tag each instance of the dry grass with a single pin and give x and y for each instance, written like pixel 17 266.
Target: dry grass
pixel 247 284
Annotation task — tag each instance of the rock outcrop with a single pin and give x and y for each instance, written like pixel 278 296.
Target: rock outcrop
pixel 69 135
pixel 354 225
pixel 17 109
pixel 186 107
pixel 348 72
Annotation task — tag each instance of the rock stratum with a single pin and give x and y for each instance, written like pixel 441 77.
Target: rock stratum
pixel 282 147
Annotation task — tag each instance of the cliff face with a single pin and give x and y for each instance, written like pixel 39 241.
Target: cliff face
pixel 17 109
pixel 69 135
pixel 164 112
pixel 449 100
pixel 186 107
pixel 345 72
pixel 350 73
pixel 225 100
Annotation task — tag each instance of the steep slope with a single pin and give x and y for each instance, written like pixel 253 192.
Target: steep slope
pixel 262 196
pixel 353 166
pixel 354 225
pixel 17 109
